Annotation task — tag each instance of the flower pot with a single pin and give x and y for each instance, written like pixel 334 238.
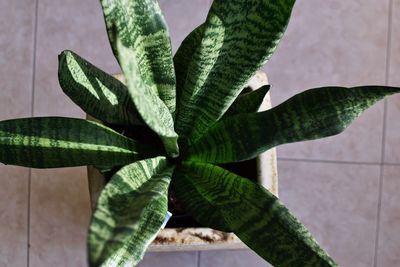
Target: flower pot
pixel 193 238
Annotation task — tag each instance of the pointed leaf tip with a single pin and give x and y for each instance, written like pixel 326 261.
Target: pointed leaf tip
pixel 310 115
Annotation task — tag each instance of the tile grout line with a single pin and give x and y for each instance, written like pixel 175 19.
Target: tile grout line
pixel 337 161
pixel 330 161
pixel 34 57
pixel 34 47
pixel 383 149
pixel 198 259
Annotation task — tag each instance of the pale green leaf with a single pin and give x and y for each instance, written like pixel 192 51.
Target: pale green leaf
pixel 96 92
pixel 141 28
pixel 152 109
pixel 129 213
pixel 140 41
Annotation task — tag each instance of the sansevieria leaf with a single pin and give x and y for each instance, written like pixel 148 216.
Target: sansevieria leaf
pixel 184 56
pixel 96 92
pixel 140 41
pixel 129 213
pixel 141 29
pixel 196 203
pixel 238 38
pixel 248 102
pixel 254 214
pixel 313 114
pixel 151 108
pixel 52 142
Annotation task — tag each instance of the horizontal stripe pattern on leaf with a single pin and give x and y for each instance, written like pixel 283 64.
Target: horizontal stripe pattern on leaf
pixel 313 114
pixel 151 108
pixel 140 41
pixel 254 214
pixel 141 28
pixel 129 213
pixel 195 201
pixel 238 38
pixel 51 142
pixel 96 92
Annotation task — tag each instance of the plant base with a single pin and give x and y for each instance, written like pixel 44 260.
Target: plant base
pixel 194 238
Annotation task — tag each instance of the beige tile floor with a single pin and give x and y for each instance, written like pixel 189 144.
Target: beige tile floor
pixel 343 188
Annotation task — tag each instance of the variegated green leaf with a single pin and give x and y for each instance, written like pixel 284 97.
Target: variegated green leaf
pixel 239 37
pixel 149 105
pixel 313 114
pixel 196 203
pixel 255 215
pixel 184 56
pixel 129 213
pixel 248 102
pixel 97 93
pixel 52 142
pixel 140 41
pixel 141 28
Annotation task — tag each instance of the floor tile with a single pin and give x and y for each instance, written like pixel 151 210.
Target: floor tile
pixel 16 56
pixel 392 140
pixel 392 147
pixel 337 203
pixel 60 209
pixel 60 215
pixel 13 216
pixel 183 16
pixel 16 62
pixel 232 258
pixel 336 45
pixel 394 78
pixel 169 259
pixel 360 142
pixel 83 32
pixel 389 234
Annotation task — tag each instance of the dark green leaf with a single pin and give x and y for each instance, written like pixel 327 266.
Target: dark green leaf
pixel 53 142
pixel 313 114
pixel 97 93
pixel 196 203
pixel 248 103
pixel 255 215
pixel 238 38
pixel 183 58
pixel 130 212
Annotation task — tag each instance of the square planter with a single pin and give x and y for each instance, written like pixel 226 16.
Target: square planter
pixel 187 239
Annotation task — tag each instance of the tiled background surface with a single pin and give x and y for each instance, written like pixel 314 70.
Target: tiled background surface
pixel 344 188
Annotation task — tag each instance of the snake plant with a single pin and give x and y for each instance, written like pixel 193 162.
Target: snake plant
pixel 194 121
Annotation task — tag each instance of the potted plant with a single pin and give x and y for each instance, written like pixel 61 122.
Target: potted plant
pixel 175 125
pixel 182 232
